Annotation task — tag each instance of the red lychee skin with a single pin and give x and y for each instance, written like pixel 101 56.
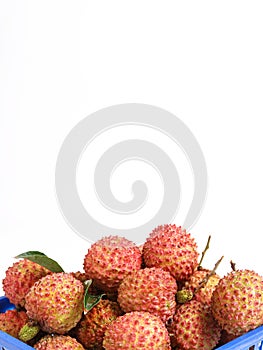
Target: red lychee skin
pixel 19 278
pixel 173 249
pixel 90 330
pixel 204 294
pixel 149 289
pixel 56 302
pixel 58 342
pixel 137 330
pixel 109 260
pixel 193 327
pixel 237 302
pixel 12 321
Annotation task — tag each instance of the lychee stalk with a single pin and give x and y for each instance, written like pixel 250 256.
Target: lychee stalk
pixel 233 265
pixel 184 295
pixel 211 273
pixel 188 293
pixel 204 252
pixel 28 331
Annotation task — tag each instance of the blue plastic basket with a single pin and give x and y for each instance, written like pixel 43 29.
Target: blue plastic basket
pixel 251 340
pixel 6 341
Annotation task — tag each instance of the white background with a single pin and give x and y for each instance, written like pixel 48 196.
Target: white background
pixel 62 60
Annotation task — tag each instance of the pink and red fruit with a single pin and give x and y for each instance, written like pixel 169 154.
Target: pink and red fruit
pixel 56 302
pixel 58 342
pixel 137 330
pixel 149 289
pixel 111 259
pixel 19 278
pixel 237 302
pixel 193 327
pixel 90 330
pixel 173 249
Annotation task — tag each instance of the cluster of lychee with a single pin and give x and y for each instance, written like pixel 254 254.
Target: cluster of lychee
pixel 153 296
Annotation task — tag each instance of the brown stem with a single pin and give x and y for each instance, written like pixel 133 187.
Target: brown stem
pixel 233 265
pixel 209 274
pixel 204 251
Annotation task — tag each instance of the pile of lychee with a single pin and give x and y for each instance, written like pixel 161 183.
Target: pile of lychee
pixel 153 296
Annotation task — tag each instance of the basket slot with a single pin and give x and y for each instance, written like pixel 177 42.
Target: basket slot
pixel 259 346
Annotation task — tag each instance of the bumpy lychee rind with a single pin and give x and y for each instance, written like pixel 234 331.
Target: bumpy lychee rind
pixel 137 330
pixel 193 327
pixel 91 328
pixel 56 302
pixel 12 321
pixel 149 289
pixel 109 260
pixel 173 249
pixel 237 302
pixel 19 278
pixel 61 342
pixel 204 294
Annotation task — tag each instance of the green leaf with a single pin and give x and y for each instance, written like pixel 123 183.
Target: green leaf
pixel 90 300
pixel 41 259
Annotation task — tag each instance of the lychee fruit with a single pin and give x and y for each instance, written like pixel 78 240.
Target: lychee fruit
pixel 12 321
pixel 91 328
pixel 55 342
pixel 193 327
pixel 56 302
pixel 109 260
pixel 201 292
pixel 237 302
pixel 19 278
pixel 173 249
pixel 149 289
pixel 137 330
